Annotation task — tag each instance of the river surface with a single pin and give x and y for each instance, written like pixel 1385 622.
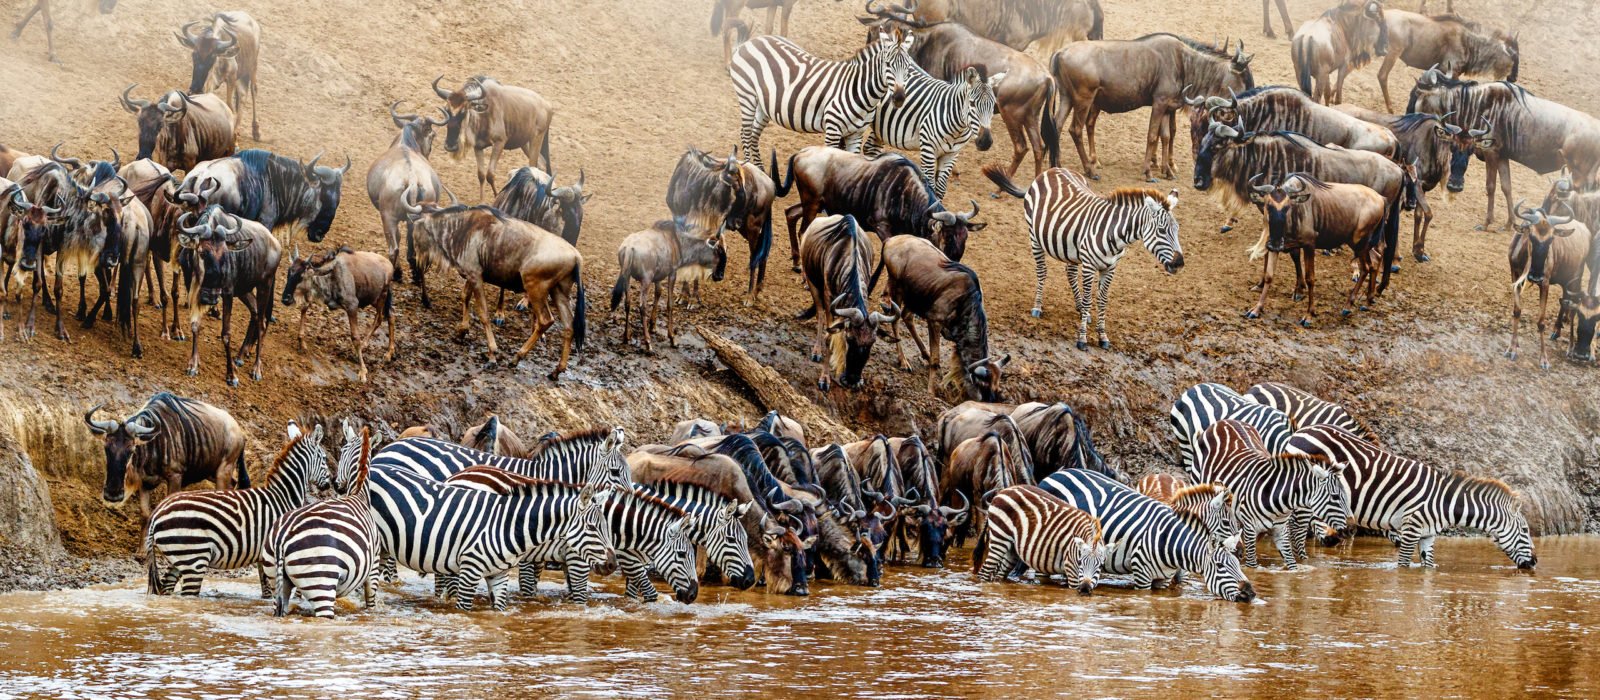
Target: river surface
pixel 1353 626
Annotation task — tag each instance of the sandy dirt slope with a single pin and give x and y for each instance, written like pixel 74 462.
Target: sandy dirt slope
pixel 636 83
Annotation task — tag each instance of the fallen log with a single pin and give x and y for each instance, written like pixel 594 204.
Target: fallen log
pixel 774 392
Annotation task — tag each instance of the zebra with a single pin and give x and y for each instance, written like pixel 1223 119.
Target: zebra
pixel 647 532
pixel 1412 503
pixel 777 81
pixel 1212 504
pixel 938 119
pixel 1149 540
pixel 195 531
pixel 472 535
pixel 1090 233
pixel 1031 527
pixel 1268 489
pixel 718 528
pixel 1304 409
pixel 326 549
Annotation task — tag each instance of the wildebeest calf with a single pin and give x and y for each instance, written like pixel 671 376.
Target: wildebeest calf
pixel 658 257
pixel 349 280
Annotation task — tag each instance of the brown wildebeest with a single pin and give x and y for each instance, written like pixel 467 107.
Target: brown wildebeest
pixel 1266 19
pixel 402 169
pixel 1343 39
pixel 231 43
pixel 1058 438
pixel 944 49
pixel 487 115
pixel 495 437
pixel 734 31
pixel 1503 123
pixel 173 441
pixel 124 255
pixel 706 190
pixel 964 420
pixel 1306 214
pixel 1279 108
pixel 1161 486
pixel 532 195
pixel 947 296
pixel 662 256
pixel 1585 205
pixel 836 259
pixel 180 130
pixel 1548 250
pixel 1584 310
pixel 1018 23
pixel 978 466
pixel 347 280
pixel 42 8
pixel 693 428
pixel 1423 148
pixel 1151 71
pixel 486 247
pixel 1451 44
pixel 228 257
pixel 22 223
pixel 9 157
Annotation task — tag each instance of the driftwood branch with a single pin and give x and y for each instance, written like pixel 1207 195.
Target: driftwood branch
pixel 773 391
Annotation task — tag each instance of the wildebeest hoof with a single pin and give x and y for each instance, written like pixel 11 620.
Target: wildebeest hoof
pixel 994 195
pixel 1555 336
pixel 1480 227
pixel 500 321
pixel 815 357
pixel 1083 346
pixel 1345 312
pixel 1036 312
pixel 1511 354
pixel 255 376
pixel 1544 364
pixel 1394 269
pixel 1252 314
pixel 1422 257
pixel 87 323
pixel 1225 228
pixel 1363 307
pixel 553 376
pixel 238 362
pixel 1297 296
pixel 233 381
pixel 1305 323
pixel 822 384
pixel 138 352
pixel 794 268
pixel 213 312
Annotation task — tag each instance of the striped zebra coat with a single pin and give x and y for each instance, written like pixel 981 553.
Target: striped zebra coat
pixel 647 532
pixel 776 81
pixel 1268 489
pixel 328 549
pixel 1029 526
pixel 1305 410
pixel 937 120
pixel 1148 539
pixel 1211 504
pixel 196 531
pixel 1089 232
pixel 1412 503
pixel 472 535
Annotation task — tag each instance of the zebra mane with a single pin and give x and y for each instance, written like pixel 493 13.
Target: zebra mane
pixel 283 455
pixel 1481 484
pixel 1205 491
pixel 595 434
pixel 644 493
pixel 509 479
pixel 1136 195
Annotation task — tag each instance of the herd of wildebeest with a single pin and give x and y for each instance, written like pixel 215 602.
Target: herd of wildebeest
pixel 756 502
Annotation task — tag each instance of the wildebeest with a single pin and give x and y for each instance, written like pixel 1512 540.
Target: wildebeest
pixel 532 195
pixel 180 130
pixel 693 428
pixel 22 224
pixel 1018 23
pixel 42 7
pixel 226 257
pixel 72 236
pixel 487 115
pixel 981 465
pixel 1423 147
pixel 272 190
pixel 1266 19
pixel 346 280
pixel 707 193
pixel 655 257
pixel 1304 215
pixel 486 247
pixel 231 45
pixel 173 441
pixel 886 195
pixel 1584 310
pixel 1151 71
pixel 947 296
pixel 1058 438
pixel 8 158
pixel 1548 250
pixel 495 437
pixel 125 254
pixel 944 49
pixel 1344 38
pixel 851 530
pixel 1234 158
pixel 726 22
pixel 1452 44
pixel 402 169
pixel 926 516
pixel 836 259
pixel 1279 108
pixel 1503 123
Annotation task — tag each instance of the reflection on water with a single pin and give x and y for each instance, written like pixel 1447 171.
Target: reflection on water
pixel 1352 626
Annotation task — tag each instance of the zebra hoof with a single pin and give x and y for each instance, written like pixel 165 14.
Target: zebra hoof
pixel 1083 346
pixel 1225 228
pixel 1036 312
pixel 1422 257
pixel 1105 345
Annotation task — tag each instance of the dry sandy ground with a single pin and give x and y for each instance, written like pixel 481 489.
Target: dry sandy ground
pixel 634 84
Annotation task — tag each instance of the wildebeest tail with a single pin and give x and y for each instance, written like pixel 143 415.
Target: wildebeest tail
pixel 758 255
pixel 1048 129
pixel 782 184
pixel 998 177
pixel 1391 240
pixel 980 550
pixel 1058 107
pixel 1300 52
pixel 620 290
pixel 1097 28
pixel 128 274
pixel 580 314
pixel 872 282
pixel 716 17
pixel 544 152
pixel 241 476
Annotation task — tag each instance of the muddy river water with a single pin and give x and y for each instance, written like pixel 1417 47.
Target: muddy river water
pixel 1352 626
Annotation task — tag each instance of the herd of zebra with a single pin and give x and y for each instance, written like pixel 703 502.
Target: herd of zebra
pixel 742 505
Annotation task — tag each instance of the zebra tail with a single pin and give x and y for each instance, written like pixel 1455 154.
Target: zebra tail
pixel 580 313
pixel 280 583
pixel 1300 53
pixel 241 476
pixel 782 184
pixel 1391 240
pixel 1049 130
pixel 152 578
pixel 997 175
pixel 1097 29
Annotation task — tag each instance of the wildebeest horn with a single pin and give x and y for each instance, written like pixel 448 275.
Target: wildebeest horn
pixel 195 230
pixel 1192 101
pixel 1213 102
pixel 399 119
pixel 347 164
pixel 184 36
pixel 234 229
pixel 1562 220
pixel 890 314
pixel 116 159
pixel 1263 189
pixel 130 104
pixel 312 166
pixel 1518 210
pixel 849 312
pixel 1294 183
pixel 869 492
pixel 789 506
pixel 230 43
pixel 1479 133
pixel 443 120
pixel 948 511
pixel 441 92
pixel 98 427
pixel 969 215
pixel 55 156
pixel 139 429
pixel 1223 130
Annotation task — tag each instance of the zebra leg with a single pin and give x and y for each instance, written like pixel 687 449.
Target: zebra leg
pixel 578 581
pixel 1299 530
pixel 389 569
pixel 1425 545
pixel 1101 299
pixel 266 585
pixel 499 591
pixel 752 123
pixel 369 590
pixel 1249 542
pixel 997 560
pixel 528 578
pixel 1039 271
pixel 188 580
pixel 637 574
pixel 1082 290
pixel 1281 537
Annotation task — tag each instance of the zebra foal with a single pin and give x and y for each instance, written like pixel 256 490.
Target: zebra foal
pixel 1029 526
pixel 327 549
pixel 1089 232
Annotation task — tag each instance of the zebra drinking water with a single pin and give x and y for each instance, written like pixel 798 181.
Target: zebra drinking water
pixel 1268 489
pixel 1027 525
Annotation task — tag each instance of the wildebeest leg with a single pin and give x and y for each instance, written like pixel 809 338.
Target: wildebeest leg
pixel 467 289
pixel 483 316
pixel 252 335
pixel 1544 296
pixel 36 289
pixel 61 329
pixel 647 317
pixel 1091 123
pixel 1420 220
pixel 1383 78
pixel 262 322
pixel 300 335
pixel 1101 300
pixel 672 314
pixel 227 339
pixel 1168 133
pixel 1075 129
pixel 357 341
pixel 1310 281
pixel 1296 255
pixel 153 280
pixel 1266 283
pixel 1516 315
pixel 477 155
pixel 933 357
pixel 1504 166
pixel 1152 139
pixel 792 215
pixel 1490 173
pixel 386 305
pixel 1020 143
pixel 102 277
pixel 1338 86
pixel 500 309
pixel 43 8
pixel 1082 289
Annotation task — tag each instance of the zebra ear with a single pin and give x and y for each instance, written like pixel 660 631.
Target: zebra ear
pixel 293 429
pixel 1319 471
pixel 1231 543
pixel 687 524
